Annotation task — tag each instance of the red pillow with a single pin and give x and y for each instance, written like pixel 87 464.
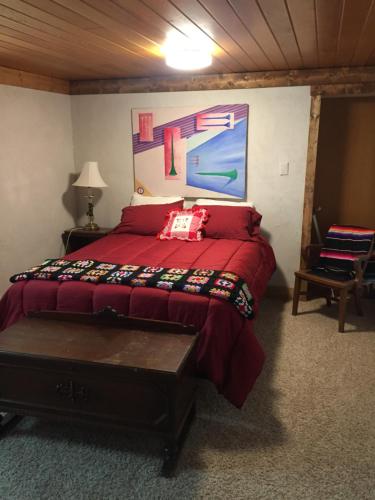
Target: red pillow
pixel 145 219
pixel 232 223
pixel 184 225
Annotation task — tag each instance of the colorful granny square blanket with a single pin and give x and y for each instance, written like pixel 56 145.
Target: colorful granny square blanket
pixel 221 284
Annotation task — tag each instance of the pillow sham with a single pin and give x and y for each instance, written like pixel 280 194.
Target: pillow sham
pixel 184 225
pixel 145 219
pixel 207 201
pixel 139 199
pixel 232 223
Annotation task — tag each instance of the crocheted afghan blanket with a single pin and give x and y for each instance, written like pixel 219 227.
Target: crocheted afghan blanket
pixel 220 284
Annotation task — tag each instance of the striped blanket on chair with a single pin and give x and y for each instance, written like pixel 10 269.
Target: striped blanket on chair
pixel 369 276
pixel 342 246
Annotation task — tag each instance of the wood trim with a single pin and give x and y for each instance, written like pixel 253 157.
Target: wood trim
pixel 312 150
pixel 225 81
pixel 344 89
pixel 20 78
pixel 326 83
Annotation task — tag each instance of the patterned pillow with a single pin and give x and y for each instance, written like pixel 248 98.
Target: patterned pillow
pixel 184 224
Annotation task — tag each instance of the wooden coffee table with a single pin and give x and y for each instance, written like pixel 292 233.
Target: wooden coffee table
pixel 125 372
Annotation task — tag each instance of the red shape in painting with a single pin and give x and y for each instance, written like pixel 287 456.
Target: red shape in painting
pixel 146 132
pixel 174 150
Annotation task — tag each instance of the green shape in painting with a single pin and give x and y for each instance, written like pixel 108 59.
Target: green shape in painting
pixel 173 170
pixel 231 174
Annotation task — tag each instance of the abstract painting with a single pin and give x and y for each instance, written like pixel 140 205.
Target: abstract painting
pixel 192 152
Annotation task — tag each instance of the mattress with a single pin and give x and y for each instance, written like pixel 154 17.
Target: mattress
pixel 228 352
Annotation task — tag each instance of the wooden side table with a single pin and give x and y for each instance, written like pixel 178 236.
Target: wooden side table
pixel 74 239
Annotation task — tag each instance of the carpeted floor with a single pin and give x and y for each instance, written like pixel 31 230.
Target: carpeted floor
pixel 307 430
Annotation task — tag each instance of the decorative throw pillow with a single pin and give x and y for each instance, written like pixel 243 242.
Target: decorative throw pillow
pixel 184 225
pixel 145 219
pixel 232 223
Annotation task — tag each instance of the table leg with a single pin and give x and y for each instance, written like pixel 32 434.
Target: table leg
pixel 173 447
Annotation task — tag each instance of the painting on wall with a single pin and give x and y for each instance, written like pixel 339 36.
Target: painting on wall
pixel 192 152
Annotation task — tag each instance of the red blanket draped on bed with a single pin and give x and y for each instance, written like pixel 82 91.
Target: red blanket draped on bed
pixel 228 351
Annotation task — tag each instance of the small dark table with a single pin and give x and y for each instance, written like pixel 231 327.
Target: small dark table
pixel 74 239
pixel 125 372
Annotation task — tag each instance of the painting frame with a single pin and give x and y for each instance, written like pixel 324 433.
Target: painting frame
pixel 191 151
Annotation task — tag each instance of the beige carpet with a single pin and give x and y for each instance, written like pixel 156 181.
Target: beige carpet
pixel 306 432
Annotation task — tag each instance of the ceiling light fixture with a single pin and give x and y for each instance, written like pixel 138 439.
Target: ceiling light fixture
pixel 187 54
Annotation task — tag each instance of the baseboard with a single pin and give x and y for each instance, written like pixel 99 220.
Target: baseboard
pixel 279 292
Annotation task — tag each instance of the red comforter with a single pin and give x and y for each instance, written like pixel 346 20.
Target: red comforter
pixel 228 352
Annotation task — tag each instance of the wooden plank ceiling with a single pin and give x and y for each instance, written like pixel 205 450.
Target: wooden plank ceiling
pixel 92 39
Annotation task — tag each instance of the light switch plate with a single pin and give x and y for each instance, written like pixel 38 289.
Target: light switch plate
pixel 284 168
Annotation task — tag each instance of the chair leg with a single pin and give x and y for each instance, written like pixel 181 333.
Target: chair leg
pixel 357 300
pixel 342 308
pixel 296 294
pixel 329 297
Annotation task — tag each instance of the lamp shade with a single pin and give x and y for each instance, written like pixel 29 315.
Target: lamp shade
pixel 90 176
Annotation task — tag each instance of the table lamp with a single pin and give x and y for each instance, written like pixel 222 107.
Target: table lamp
pixel 90 178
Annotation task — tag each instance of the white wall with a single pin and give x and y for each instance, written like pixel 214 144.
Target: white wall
pixel 36 161
pixel 278 132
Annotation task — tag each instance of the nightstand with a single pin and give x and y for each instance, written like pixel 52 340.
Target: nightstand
pixel 79 237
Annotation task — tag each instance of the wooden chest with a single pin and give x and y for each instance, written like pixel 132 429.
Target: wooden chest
pixel 128 372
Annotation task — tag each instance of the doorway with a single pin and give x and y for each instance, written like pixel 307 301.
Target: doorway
pixel 345 163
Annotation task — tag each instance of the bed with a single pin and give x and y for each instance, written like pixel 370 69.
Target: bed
pixel 228 352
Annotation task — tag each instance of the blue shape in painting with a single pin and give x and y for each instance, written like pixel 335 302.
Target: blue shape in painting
pixel 219 164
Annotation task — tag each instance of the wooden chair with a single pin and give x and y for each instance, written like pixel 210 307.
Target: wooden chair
pixel 339 286
pixel 369 277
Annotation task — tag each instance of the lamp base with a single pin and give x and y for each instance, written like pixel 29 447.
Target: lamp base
pixel 91 226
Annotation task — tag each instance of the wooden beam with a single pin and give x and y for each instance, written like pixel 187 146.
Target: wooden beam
pixel 344 89
pixel 18 78
pixel 312 150
pixel 225 81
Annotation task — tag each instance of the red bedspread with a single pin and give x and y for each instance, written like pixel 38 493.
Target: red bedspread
pixel 228 352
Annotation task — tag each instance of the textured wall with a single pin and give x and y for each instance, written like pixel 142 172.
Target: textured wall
pixel 278 132
pixel 36 167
